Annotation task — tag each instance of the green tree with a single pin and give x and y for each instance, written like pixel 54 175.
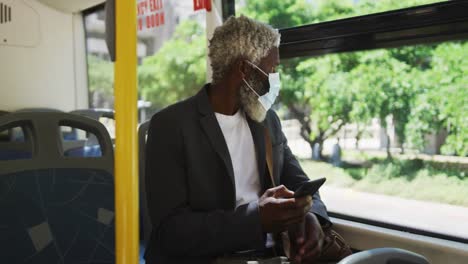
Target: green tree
pixel 371 84
pixel 178 69
pixel 279 14
pixel 384 84
pixel 307 93
pixel 100 79
pixel 450 67
pixel 426 116
pixel 318 99
pixel 325 93
pixel 442 102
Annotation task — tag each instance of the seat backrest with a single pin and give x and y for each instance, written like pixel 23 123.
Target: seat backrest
pixel 56 209
pixel 14 154
pixel 145 222
pixel 95 113
pixel 385 256
pixel 39 109
pixel 15 136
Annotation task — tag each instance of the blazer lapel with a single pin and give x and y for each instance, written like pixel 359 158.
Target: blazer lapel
pixel 213 131
pixel 215 136
pixel 258 135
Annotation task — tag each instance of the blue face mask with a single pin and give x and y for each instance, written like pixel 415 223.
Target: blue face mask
pixel 268 98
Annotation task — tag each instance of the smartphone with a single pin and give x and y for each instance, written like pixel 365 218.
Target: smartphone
pixel 309 188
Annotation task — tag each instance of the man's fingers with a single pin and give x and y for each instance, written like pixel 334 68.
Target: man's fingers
pixel 271 192
pixel 284 193
pixel 306 200
pixel 296 212
pixel 308 252
pixel 285 203
pixel 309 245
pixel 294 203
pixel 311 249
pixel 294 248
pixel 311 254
pixel 292 221
pixel 278 189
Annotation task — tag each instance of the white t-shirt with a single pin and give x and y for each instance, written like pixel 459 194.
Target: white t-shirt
pixel 241 148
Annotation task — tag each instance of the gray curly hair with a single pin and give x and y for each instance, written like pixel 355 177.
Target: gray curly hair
pixel 240 37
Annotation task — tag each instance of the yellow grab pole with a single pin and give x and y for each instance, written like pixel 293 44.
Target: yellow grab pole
pixel 126 157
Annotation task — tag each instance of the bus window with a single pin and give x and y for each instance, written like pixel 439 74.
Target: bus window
pixel 387 127
pixel 296 13
pixel 171 56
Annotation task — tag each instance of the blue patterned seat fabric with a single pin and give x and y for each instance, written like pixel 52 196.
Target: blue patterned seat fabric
pixel 57 216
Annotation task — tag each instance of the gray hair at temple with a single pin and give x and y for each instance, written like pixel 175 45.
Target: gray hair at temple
pixel 240 37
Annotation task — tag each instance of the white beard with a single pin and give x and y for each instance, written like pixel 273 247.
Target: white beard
pixel 250 104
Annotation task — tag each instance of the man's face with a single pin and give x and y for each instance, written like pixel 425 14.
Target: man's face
pixel 259 82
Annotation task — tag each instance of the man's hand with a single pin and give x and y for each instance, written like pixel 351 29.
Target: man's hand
pixel 278 209
pixel 306 240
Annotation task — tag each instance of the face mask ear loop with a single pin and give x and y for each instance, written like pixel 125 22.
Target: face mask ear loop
pixel 258 68
pixel 248 85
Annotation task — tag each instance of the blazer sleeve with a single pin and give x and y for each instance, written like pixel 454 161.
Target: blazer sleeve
pixel 292 175
pixel 179 230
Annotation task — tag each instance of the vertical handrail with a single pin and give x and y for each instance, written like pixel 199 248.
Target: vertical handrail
pixel 126 155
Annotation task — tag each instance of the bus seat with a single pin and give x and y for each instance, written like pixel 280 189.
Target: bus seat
pixel 15 135
pixel 95 113
pixel 56 209
pixel 145 222
pixel 13 149
pixel 385 256
pixel 39 109
pixel 91 148
pixel 85 151
pixel 9 154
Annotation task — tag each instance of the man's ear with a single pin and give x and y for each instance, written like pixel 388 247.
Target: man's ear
pixel 241 68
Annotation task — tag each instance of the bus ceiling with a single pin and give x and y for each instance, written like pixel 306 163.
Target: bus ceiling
pixel 71 6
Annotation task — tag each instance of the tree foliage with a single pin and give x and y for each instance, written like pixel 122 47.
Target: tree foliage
pixel 422 89
pixel 178 69
pixel 442 101
pixel 327 92
pixel 100 75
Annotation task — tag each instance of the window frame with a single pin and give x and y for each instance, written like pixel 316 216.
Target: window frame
pixel 425 24
pixel 84 14
pixel 397 227
pixel 444 21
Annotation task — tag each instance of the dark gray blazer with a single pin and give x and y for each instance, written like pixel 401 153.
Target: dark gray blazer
pixel 190 184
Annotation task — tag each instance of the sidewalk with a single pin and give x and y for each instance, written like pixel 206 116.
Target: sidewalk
pixel 429 216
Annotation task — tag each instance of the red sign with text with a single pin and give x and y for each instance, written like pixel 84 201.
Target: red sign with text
pixel 202 4
pixel 150 14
